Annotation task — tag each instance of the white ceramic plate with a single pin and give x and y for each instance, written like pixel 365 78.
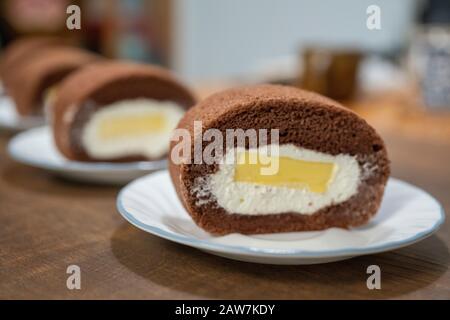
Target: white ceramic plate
pixel 11 121
pixel 36 148
pixel 407 215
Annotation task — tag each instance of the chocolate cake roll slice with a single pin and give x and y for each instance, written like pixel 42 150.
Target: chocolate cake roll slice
pixel 331 166
pixel 118 111
pixel 22 50
pixel 34 82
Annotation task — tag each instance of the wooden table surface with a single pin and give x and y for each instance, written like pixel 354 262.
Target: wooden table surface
pixel 47 223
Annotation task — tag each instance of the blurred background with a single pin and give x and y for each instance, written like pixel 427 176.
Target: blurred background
pixel 387 60
pixel 397 74
pixel 214 38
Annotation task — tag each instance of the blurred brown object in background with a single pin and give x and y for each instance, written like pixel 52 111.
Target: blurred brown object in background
pixel 27 16
pixel 20 18
pixel 331 72
pixel 138 30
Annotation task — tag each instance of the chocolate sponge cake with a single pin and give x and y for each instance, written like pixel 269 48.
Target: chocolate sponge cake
pixel 331 170
pixel 22 50
pixel 118 111
pixel 34 80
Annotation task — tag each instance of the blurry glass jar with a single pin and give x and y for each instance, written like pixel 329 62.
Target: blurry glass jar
pixel 330 71
pixel 429 62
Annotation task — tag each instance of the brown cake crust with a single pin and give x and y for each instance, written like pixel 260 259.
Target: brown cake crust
pixel 20 51
pixel 304 119
pixel 103 83
pixel 44 70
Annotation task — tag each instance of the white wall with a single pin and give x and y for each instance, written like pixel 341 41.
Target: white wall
pixel 222 38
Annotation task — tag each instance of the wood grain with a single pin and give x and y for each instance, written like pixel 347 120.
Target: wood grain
pixel 47 223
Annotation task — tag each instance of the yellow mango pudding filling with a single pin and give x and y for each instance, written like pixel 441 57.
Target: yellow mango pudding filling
pixel 288 172
pixel 131 127
pixel 296 180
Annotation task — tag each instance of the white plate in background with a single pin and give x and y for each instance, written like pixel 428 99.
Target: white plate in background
pixel 407 215
pixel 10 120
pixel 36 148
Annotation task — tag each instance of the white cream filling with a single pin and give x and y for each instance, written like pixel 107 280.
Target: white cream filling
pixel 152 144
pixel 258 199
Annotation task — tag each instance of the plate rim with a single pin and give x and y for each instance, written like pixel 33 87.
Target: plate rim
pixel 274 253
pixel 19 125
pixel 77 166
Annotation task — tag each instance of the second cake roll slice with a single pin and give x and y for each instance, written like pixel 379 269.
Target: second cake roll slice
pixel 118 111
